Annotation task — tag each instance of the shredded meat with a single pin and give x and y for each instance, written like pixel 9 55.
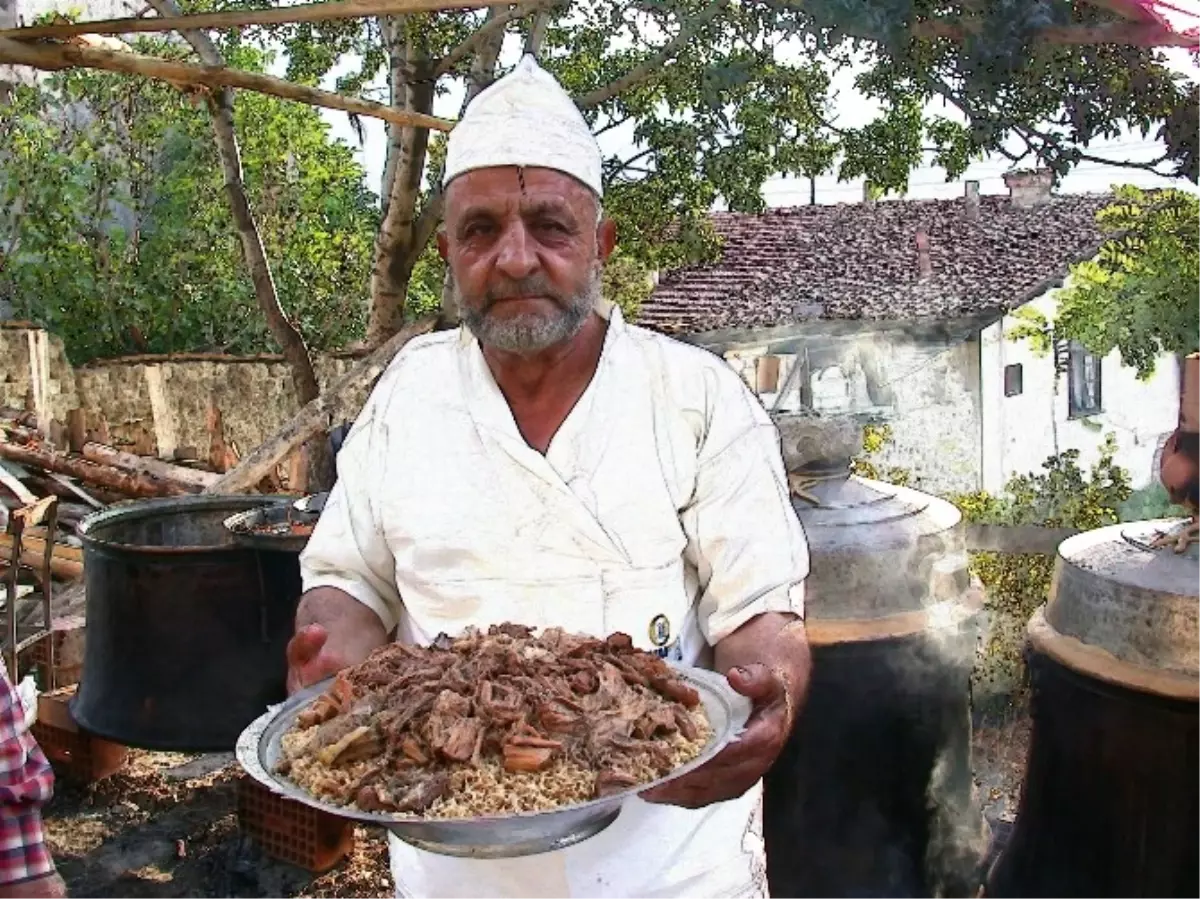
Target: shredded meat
pixel 390 733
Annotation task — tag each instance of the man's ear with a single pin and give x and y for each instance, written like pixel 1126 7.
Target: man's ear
pixel 606 238
pixel 442 243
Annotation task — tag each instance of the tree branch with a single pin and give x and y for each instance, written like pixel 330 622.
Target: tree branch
pixel 485 32
pixel 686 34
pixel 1118 33
pixel 53 57
pixel 309 12
pixel 537 33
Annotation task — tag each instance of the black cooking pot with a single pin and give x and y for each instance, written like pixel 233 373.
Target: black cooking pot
pixel 186 629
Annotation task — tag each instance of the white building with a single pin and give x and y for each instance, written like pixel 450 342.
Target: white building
pixel 901 311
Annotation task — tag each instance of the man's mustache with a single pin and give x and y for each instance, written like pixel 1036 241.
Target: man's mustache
pixel 527 287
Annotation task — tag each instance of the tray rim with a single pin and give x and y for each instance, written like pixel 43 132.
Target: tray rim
pixel 252 741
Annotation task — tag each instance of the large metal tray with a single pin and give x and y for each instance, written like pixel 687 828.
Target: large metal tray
pixel 509 836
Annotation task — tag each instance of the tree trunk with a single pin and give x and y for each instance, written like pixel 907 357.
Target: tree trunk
pixel 290 341
pixel 396 252
pixel 404 235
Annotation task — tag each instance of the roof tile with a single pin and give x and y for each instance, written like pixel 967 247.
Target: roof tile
pixel 860 261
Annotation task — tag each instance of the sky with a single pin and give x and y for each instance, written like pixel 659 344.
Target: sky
pixel 852 109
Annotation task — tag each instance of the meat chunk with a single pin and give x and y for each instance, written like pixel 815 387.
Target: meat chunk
pixel 449 730
pixel 516 631
pixel 610 781
pixel 499 703
pixel 676 690
pixel 529 753
pixel 584 682
pixel 457 743
pixel 683 721
pixel 556 717
pixel 428 789
pixel 659 719
pixel 328 705
pixel 619 643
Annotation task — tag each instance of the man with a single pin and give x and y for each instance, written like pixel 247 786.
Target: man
pixel 550 465
pixel 26 784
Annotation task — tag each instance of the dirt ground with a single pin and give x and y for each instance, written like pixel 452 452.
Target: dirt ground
pixel 166 825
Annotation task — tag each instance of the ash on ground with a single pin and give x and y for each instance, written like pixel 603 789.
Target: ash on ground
pixel 166 825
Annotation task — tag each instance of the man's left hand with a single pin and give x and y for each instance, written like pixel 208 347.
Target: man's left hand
pixel 741 764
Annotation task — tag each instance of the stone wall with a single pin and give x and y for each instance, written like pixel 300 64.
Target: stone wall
pixel 166 398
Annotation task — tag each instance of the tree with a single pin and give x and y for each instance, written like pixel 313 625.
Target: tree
pixel 119 235
pixel 714 109
pixel 1139 294
pixel 1061 495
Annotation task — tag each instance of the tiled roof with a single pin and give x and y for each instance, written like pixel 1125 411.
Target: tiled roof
pixel 860 261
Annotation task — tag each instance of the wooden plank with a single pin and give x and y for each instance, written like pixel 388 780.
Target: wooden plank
pixel 188 478
pixel 13 483
pixel 53 57
pixel 280 15
pixel 1001 538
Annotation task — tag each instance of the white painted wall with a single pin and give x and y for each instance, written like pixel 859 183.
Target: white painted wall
pixel 1021 432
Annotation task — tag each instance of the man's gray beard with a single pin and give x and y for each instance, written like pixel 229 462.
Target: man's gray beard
pixel 532 332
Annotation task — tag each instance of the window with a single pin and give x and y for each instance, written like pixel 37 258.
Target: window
pixel 1014 380
pixel 1083 382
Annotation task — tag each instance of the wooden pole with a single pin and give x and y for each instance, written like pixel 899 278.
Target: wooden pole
pixel 52 57
pixel 308 12
pixel 315 416
pixel 122 482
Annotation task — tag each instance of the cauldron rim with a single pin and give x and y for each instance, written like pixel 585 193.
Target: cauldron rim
pixel 123 513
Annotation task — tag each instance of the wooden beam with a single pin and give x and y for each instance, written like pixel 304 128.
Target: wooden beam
pixel 1015 539
pixel 281 15
pixel 187 478
pixel 52 57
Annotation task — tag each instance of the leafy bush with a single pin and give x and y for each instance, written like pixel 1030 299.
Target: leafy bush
pixel 1060 495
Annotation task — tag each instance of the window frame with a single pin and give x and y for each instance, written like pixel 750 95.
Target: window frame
pixel 1009 390
pixel 1079 360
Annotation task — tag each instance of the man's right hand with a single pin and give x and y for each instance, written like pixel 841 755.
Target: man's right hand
pixel 333 631
pixel 310 659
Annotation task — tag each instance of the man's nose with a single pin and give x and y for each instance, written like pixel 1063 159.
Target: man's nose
pixel 517 257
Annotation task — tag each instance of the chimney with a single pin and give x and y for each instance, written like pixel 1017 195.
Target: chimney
pixel 924 266
pixel 972 197
pixel 1028 187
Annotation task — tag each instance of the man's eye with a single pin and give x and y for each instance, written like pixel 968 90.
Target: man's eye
pixel 552 227
pixel 477 229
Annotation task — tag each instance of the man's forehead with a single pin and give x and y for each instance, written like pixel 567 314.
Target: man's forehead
pixel 509 189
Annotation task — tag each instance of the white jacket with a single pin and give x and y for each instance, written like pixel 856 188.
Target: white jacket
pixel 660 509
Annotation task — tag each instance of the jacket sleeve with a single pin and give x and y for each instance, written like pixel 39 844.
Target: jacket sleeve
pixel 348 548
pixel 744 539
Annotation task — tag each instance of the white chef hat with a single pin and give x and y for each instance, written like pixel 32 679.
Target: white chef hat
pixel 524 119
